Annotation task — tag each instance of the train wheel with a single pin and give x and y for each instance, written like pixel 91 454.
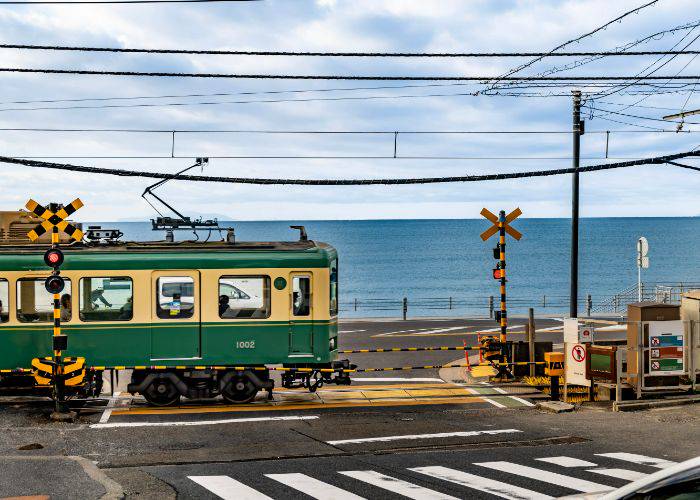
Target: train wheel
pixel 239 390
pixel 162 392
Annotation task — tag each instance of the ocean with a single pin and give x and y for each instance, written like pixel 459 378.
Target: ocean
pixel 443 268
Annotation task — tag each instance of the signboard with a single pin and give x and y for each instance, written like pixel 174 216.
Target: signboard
pixel 585 334
pixel 576 364
pixel 577 333
pixel 666 345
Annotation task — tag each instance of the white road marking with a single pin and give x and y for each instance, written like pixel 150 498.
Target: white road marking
pixel 659 463
pixel 567 461
pixel 494 403
pixel 516 398
pixel 113 425
pixel 228 488
pixel 108 409
pixel 395 379
pixel 546 476
pixel 626 474
pixel 313 487
pixel 397 486
pixel 497 488
pixel 423 436
pixel 441 330
pixel 498 329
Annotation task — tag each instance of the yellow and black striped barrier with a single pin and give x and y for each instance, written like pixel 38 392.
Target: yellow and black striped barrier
pixel 310 370
pixel 412 349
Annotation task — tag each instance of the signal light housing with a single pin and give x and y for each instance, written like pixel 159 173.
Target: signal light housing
pixel 53 258
pixel 54 284
pixel 497 252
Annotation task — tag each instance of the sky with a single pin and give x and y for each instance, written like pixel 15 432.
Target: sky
pixel 338 25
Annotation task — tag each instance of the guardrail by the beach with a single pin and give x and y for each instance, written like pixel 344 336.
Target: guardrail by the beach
pixel 665 292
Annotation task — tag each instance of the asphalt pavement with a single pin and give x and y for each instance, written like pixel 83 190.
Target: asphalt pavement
pixel 396 434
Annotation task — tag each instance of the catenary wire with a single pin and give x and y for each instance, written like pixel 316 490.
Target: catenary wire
pixel 270 76
pixel 69 48
pixel 344 182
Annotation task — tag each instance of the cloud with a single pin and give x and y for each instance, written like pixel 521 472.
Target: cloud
pixel 366 25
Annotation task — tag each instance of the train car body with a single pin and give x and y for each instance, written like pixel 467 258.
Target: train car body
pixel 183 313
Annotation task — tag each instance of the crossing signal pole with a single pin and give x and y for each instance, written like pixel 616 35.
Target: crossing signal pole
pixel 501 225
pixel 578 130
pixel 54 219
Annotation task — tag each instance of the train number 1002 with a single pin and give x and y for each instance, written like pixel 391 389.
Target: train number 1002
pixel 245 344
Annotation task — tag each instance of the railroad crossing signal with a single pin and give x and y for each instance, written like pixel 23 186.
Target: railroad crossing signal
pixel 54 218
pixel 496 224
pixel 501 225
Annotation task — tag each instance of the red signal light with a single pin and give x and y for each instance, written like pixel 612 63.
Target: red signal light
pixel 497 274
pixel 53 257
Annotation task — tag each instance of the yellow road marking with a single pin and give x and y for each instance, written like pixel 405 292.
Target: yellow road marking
pixel 310 405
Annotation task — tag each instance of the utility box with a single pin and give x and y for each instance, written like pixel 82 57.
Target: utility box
pixel 640 312
pixel 690 314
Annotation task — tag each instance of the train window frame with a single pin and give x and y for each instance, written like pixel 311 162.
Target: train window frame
pixel 81 311
pixel 180 315
pixel 266 299
pixel 333 290
pixel 295 311
pixel 4 305
pixel 68 290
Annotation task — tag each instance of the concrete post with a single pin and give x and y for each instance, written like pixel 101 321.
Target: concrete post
pixel 531 339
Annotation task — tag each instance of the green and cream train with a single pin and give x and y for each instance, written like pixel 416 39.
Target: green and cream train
pixel 191 319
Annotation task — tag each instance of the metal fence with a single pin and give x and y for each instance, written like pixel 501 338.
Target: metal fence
pixel 588 304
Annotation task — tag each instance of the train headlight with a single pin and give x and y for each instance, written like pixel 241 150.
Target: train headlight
pixel 332 344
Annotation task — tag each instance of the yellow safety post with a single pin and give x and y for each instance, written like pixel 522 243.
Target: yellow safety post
pixel 554 368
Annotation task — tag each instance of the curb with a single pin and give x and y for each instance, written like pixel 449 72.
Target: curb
pixel 659 403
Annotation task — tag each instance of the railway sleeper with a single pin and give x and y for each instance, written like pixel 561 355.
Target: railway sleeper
pixel 165 388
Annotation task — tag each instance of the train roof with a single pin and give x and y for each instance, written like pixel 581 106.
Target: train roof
pixel 172 255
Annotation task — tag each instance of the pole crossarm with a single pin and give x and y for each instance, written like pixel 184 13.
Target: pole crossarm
pixel 656 160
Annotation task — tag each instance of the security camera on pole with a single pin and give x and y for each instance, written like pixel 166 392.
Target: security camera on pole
pixel 642 263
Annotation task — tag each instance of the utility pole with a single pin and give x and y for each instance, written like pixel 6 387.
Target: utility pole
pixel 577 133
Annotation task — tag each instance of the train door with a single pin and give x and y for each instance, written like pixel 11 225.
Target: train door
pixel 175 317
pixel 301 329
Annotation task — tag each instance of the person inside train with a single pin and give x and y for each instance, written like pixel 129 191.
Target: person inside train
pixel 223 305
pixel 66 307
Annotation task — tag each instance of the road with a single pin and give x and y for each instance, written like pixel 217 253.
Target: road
pixel 417 434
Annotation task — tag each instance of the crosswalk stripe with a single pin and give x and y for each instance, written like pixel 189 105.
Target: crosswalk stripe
pixel 397 486
pixel 567 461
pixel 659 463
pixel 546 476
pixel 497 488
pixel 228 488
pixel 313 487
pixel 626 474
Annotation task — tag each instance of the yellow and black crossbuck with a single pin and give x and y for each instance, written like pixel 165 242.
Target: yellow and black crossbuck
pixel 56 219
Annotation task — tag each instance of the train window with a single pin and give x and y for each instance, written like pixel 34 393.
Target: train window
pixel 244 297
pixel 106 299
pixel 175 297
pixel 334 287
pixel 35 304
pixel 301 296
pixel 4 301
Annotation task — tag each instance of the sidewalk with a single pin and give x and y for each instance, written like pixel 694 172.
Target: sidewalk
pixel 55 477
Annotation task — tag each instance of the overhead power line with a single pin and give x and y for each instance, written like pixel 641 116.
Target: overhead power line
pixel 97 2
pixel 602 27
pixel 254 76
pixel 288 53
pixel 351 182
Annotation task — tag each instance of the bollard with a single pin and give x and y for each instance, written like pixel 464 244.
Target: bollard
pixel 589 305
pixel 531 339
pixel 491 306
pixel 405 308
pixel 554 388
pixel 554 368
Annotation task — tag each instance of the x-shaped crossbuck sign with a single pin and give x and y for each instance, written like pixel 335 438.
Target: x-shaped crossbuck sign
pixel 52 219
pixel 494 219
